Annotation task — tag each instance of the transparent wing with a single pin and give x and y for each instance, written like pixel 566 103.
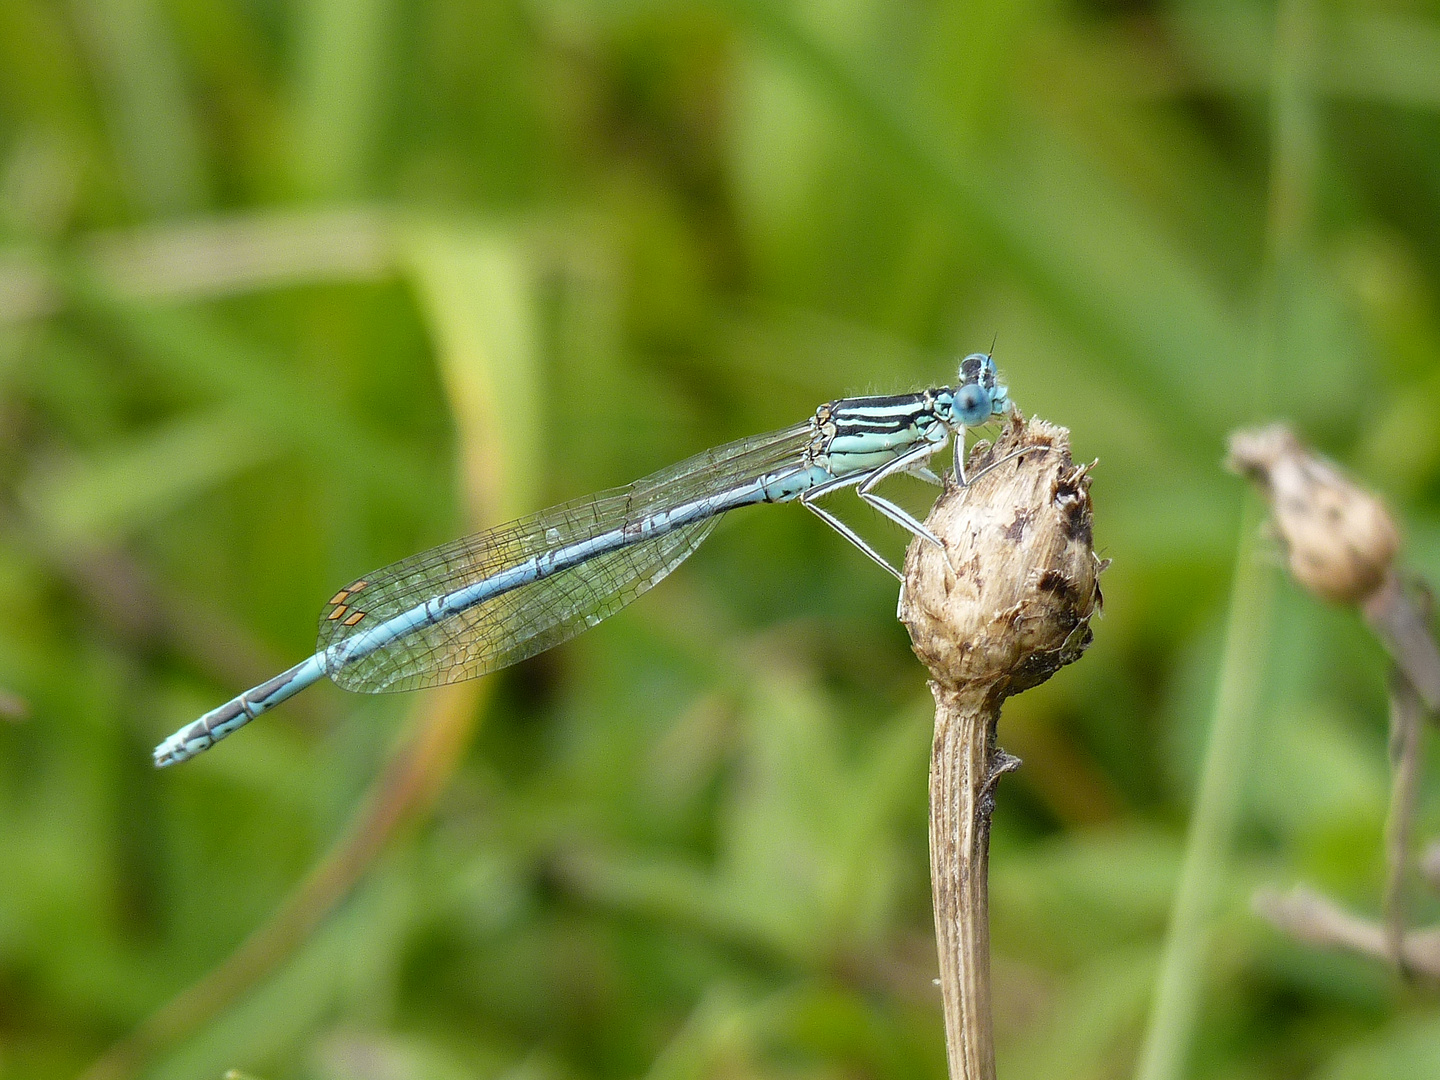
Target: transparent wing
pixel 540 615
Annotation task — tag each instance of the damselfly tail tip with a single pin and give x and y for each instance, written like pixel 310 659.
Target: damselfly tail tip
pixel 172 751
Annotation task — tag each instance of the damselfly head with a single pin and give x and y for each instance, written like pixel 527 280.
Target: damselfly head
pixel 978 396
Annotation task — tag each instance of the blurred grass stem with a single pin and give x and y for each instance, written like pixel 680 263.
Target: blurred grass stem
pixel 206 257
pixel 1294 153
pixel 343 59
pixel 151 123
pixel 1237 696
pixel 1217 806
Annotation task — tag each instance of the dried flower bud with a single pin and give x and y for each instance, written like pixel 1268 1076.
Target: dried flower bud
pixel 1341 541
pixel 1002 606
pixel 1009 600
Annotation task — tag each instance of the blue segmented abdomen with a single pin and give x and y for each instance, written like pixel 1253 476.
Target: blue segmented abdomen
pixel 237 712
pixel 484 602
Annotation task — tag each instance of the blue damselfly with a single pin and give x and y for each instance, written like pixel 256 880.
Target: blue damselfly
pixel 483 602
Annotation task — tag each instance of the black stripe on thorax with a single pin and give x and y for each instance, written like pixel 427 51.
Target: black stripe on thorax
pixel 878 415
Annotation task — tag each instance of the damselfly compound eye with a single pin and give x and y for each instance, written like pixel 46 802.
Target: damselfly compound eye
pixel 972 404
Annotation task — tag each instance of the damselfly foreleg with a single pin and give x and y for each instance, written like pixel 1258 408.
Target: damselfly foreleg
pixel 996 464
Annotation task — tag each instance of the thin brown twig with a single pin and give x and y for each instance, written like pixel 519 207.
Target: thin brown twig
pixel 1307 916
pixel 1400 617
pixel 1407 713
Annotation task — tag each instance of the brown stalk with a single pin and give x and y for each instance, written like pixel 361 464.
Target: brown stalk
pixel 1003 606
pixel 1314 919
pixel 1407 714
pixel 1400 617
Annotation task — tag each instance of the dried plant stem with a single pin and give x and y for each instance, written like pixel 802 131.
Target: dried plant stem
pixel 965 765
pixel 1402 623
pixel 1407 712
pixel 210 257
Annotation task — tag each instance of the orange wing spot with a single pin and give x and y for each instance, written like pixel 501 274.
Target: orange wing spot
pixel 358 586
pixel 355 617
pixel 339 610
pixel 339 597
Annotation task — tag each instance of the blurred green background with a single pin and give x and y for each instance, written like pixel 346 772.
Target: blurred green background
pixel 291 290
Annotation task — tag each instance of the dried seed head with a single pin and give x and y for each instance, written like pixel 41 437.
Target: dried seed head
pixel 1341 541
pixel 1009 600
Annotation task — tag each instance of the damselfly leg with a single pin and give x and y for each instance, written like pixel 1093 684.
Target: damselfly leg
pixel 807 500
pixel 928 475
pixel 1008 457
pixel 902 517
